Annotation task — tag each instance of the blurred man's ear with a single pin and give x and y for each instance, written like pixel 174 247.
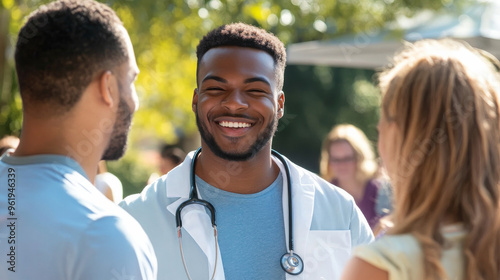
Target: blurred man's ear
pixel 109 88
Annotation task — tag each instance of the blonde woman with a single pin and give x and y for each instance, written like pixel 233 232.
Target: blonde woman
pixel 348 161
pixel 439 139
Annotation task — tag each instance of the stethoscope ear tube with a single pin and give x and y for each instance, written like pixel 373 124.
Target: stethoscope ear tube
pixel 193 199
pixel 290 262
pixel 204 203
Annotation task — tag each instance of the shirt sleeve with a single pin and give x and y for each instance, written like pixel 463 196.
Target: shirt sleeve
pixel 398 256
pixel 361 233
pixel 113 248
pixel 384 201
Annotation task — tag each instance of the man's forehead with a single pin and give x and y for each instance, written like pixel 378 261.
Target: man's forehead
pixel 231 50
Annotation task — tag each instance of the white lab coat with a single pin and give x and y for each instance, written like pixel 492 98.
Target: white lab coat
pixel 327 224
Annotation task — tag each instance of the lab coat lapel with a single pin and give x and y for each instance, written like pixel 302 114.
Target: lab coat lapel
pixel 195 220
pixel 302 209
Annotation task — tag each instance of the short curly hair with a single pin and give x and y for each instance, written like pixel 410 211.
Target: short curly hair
pixel 247 36
pixel 62 46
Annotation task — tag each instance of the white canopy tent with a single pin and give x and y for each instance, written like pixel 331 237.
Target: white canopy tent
pixel 479 25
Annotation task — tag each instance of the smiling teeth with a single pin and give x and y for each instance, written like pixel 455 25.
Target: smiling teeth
pixel 234 124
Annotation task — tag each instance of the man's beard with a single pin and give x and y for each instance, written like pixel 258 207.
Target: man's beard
pixel 262 139
pixel 118 141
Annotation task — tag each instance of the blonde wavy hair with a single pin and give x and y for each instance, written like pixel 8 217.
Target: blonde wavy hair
pixel 443 96
pixel 363 152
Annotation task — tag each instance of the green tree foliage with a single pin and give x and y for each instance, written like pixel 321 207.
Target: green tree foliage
pixel 165 34
pixel 10 102
pixel 318 97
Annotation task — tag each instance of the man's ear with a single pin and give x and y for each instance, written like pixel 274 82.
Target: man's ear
pixel 108 88
pixel 195 100
pixel 281 104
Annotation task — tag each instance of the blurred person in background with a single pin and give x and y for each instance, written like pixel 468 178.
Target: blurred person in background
pixel 8 142
pixel 439 138
pixel 170 157
pixel 348 161
pixel 108 184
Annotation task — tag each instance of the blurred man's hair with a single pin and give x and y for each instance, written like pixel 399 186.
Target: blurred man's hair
pixel 62 47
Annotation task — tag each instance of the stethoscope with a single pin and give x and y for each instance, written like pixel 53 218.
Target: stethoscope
pixel 290 261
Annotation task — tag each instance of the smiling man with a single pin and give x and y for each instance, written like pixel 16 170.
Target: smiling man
pixel 309 227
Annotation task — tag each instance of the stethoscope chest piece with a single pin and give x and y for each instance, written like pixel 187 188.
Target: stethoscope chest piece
pixel 292 263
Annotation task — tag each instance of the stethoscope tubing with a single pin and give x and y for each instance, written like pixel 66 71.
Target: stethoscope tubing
pixel 289 188
pixel 290 262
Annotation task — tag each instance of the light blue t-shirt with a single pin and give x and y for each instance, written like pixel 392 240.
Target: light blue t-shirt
pixel 54 224
pixel 251 230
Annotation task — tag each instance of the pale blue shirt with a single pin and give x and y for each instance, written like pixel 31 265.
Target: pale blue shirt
pixel 54 224
pixel 251 230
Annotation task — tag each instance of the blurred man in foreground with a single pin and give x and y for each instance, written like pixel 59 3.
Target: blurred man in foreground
pixel 76 70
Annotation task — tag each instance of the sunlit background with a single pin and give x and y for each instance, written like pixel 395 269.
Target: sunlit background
pixel 318 95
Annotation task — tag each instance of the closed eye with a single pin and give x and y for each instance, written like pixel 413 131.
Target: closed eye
pixel 257 91
pixel 213 90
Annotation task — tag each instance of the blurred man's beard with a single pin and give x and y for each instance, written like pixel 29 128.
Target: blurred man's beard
pixel 118 141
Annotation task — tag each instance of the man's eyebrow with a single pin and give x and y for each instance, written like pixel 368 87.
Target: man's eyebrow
pixel 216 78
pixel 247 81
pixel 257 79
